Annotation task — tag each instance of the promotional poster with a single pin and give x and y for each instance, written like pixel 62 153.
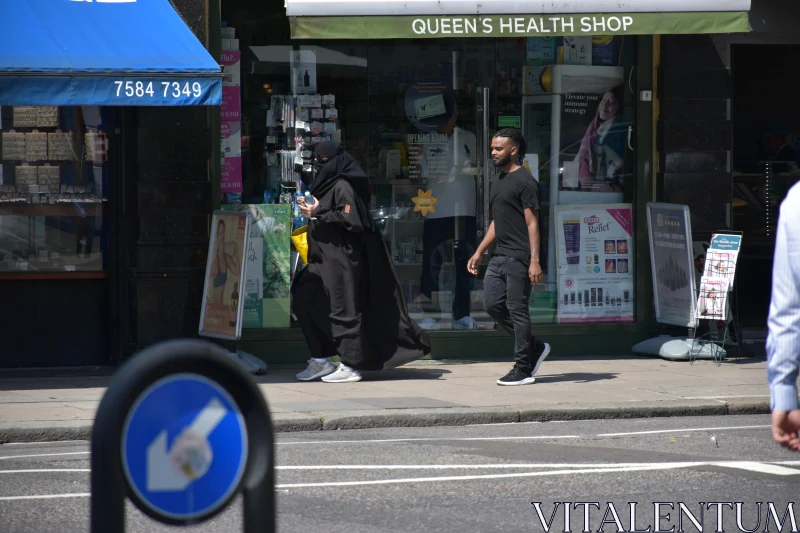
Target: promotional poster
pixel 230 122
pixel 304 71
pixel 712 303
pixel 672 260
pixel 594 143
pixel 221 312
pixel 595 263
pixel 267 280
pixel 722 256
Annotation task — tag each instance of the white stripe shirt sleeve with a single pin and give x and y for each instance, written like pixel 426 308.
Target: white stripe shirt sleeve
pixel 783 341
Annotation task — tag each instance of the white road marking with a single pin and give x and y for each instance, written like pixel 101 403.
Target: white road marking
pixel 45 470
pixel 465 478
pixel 655 432
pixel 434 439
pixel 767 468
pixel 8 457
pixel 44 443
pixel 44 497
pixel 774 468
pixel 764 468
pixel 536 437
pixel 455 439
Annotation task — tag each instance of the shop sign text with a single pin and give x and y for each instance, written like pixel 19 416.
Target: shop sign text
pixel 532 25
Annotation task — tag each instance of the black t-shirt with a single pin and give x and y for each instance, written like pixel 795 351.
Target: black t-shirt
pixel 509 196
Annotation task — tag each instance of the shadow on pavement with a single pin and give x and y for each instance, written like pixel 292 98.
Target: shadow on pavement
pixel 577 377
pixel 396 374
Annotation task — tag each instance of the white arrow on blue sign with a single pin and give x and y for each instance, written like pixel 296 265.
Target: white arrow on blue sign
pixel 184 447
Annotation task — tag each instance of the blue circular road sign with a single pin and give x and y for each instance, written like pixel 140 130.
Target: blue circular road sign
pixel 184 447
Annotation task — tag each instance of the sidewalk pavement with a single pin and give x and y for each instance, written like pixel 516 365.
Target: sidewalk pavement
pixel 431 393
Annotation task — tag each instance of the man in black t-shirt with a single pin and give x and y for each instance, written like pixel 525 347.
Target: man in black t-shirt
pixel 514 267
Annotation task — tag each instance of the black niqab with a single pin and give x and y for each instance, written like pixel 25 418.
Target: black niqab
pixel 341 165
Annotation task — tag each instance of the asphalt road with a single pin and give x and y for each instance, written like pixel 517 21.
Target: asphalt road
pixel 464 479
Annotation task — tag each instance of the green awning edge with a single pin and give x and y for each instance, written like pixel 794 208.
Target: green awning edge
pixel 469 26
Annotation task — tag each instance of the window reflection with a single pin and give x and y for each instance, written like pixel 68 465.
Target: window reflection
pixel 53 189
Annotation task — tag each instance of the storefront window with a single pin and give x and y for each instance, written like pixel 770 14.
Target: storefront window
pixel 419 115
pixel 53 190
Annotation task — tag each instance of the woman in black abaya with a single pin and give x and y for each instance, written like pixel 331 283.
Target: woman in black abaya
pixel 348 301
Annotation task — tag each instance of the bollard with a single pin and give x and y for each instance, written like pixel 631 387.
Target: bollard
pixel 182 430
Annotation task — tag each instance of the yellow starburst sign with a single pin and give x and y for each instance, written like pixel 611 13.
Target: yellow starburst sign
pixel 424 202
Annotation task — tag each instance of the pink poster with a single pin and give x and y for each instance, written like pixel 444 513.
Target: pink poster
pixel 231 104
pixel 232 175
pixel 230 115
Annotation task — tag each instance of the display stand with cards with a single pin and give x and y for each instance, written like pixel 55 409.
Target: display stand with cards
pixel 715 295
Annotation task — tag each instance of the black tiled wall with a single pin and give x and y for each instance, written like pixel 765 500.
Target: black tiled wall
pixel 695 131
pixel 173 204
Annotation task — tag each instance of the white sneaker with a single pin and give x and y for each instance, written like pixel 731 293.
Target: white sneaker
pixel 542 356
pixel 316 370
pixel 464 323
pixel 428 323
pixel 343 374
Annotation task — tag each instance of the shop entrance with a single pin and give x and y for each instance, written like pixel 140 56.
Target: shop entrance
pixel 766 163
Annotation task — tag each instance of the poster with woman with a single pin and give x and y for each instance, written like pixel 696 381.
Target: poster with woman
pixel 267 280
pixel 593 145
pixel 221 312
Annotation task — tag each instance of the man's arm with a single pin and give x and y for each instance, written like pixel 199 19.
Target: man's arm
pixel 487 240
pixel 475 260
pixel 783 342
pixel 532 220
pixel 529 196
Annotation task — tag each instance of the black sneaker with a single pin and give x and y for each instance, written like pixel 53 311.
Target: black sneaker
pixel 517 376
pixel 538 358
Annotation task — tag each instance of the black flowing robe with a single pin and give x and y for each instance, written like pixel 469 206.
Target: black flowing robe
pixel 349 300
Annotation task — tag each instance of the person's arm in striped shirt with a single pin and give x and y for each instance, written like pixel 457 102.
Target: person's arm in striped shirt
pixel 783 342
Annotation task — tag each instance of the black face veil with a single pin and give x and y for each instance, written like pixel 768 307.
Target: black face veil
pixel 341 165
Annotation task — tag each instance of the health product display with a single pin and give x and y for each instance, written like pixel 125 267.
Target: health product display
pixel 595 263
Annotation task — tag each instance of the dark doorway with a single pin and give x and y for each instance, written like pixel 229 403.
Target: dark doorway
pixel 766 163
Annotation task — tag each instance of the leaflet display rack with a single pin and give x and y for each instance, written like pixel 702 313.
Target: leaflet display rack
pixel 717 306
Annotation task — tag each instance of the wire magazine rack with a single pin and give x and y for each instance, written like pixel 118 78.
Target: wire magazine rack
pixel 716 306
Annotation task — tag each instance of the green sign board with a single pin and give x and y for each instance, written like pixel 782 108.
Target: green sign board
pixel 509 121
pixel 446 26
pixel 267 282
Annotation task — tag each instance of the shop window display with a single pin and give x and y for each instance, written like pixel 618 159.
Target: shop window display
pixel 418 116
pixel 53 191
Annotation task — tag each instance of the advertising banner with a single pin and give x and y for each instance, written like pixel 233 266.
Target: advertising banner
pixel 267 281
pixel 231 86
pixel 221 311
pixel 231 179
pixel 669 230
pixel 595 263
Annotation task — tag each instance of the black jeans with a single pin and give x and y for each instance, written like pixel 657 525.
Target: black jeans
pixel 506 296
pixel 440 230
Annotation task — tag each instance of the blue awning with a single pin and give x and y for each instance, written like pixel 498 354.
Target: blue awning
pixel 102 52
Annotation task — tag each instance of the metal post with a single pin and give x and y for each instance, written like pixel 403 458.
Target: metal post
pixel 113 477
